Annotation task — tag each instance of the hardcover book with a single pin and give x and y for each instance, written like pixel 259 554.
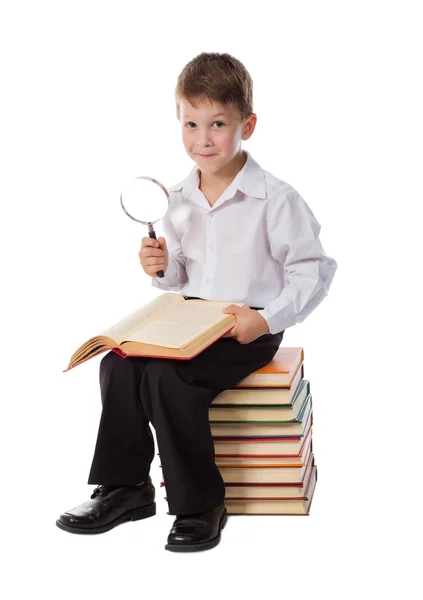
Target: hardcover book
pixel 167 327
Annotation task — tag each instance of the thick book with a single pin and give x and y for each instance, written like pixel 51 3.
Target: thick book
pixel 279 372
pixel 264 455
pixel 283 413
pixel 272 473
pixel 167 327
pixel 263 428
pixel 266 446
pixel 267 491
pixel 260 395
pixel 262 461
pixel 274 506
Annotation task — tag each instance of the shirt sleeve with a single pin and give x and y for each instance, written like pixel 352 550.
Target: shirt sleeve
pixel 175 276
pixel 308 272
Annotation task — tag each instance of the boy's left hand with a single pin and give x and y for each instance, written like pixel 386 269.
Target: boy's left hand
pixel 249 326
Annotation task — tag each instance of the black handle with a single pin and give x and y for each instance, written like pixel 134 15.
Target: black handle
pixel 152 234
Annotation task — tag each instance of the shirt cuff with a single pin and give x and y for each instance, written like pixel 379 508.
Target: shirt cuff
pixel 170 275
pixel 280 320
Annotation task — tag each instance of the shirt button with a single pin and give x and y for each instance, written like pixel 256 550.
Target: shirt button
pixel 207 280
pixel 211 215
pixel 210 247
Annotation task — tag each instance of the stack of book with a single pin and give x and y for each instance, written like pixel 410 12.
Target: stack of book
pixel 262 435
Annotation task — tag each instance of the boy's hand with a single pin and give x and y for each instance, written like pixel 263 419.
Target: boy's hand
pixel 154 255
pixel 249 324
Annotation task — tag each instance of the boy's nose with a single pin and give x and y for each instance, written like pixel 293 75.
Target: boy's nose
pixel 204 139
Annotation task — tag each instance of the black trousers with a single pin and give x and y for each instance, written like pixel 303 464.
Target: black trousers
pixel 174 396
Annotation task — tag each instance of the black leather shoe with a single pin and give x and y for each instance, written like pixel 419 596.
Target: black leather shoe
pixel 199 531
pixel 109 506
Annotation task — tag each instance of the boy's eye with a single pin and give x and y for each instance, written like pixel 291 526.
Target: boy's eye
pixel 191 123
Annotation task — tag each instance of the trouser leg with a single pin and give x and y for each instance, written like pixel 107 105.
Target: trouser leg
pixel 125 445
pixel 179 412
pixel 176 396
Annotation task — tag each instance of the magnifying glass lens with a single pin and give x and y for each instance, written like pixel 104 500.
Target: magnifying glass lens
pixel 144 200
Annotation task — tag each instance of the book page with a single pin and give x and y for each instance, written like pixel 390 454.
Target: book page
pixel 126 328
pixel 183 323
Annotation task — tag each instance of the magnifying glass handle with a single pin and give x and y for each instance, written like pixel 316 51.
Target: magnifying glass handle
pixel 152 234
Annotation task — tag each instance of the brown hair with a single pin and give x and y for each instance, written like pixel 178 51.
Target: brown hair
pixel 216 77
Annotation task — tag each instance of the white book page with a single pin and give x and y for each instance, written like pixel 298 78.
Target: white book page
pixel 186 322
pixel 126 328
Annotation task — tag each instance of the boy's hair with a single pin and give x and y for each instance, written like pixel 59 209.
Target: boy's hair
pixel 216 77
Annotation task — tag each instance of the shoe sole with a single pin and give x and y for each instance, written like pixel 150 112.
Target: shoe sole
pixel 202 545
pixel 131 515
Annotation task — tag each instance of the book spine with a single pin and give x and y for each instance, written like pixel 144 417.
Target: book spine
pixel 120 352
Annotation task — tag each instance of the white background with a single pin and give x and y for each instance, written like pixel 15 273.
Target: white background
pixel 87 103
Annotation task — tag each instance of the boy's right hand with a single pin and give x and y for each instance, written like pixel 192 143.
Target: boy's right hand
pixel 153 255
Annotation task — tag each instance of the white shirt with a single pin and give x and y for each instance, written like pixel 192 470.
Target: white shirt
pixel 258 244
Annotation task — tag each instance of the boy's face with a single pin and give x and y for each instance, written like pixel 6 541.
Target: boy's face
pixel 215 130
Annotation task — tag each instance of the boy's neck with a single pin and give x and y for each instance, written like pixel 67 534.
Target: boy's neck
pixel 225 176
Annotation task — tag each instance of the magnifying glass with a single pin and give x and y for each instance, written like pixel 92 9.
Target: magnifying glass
pixel 146 201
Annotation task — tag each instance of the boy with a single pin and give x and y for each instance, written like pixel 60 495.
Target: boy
pixel 233 232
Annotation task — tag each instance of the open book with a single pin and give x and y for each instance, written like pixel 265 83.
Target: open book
pixel 167 327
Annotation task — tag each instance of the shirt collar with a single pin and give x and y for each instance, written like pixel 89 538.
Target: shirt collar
pixel 250 180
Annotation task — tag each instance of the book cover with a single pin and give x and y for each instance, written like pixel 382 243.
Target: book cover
pixel 259 429
pixel 283 413
pixel 274 506
pixel 268 491
pixel 279 372
pixel 167 327
pixel 261 394
pixel 262 460
pixel 266 447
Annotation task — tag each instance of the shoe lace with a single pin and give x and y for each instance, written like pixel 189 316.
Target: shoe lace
pixel 100 490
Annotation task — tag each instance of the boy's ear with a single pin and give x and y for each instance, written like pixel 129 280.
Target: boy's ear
pixel 249 126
